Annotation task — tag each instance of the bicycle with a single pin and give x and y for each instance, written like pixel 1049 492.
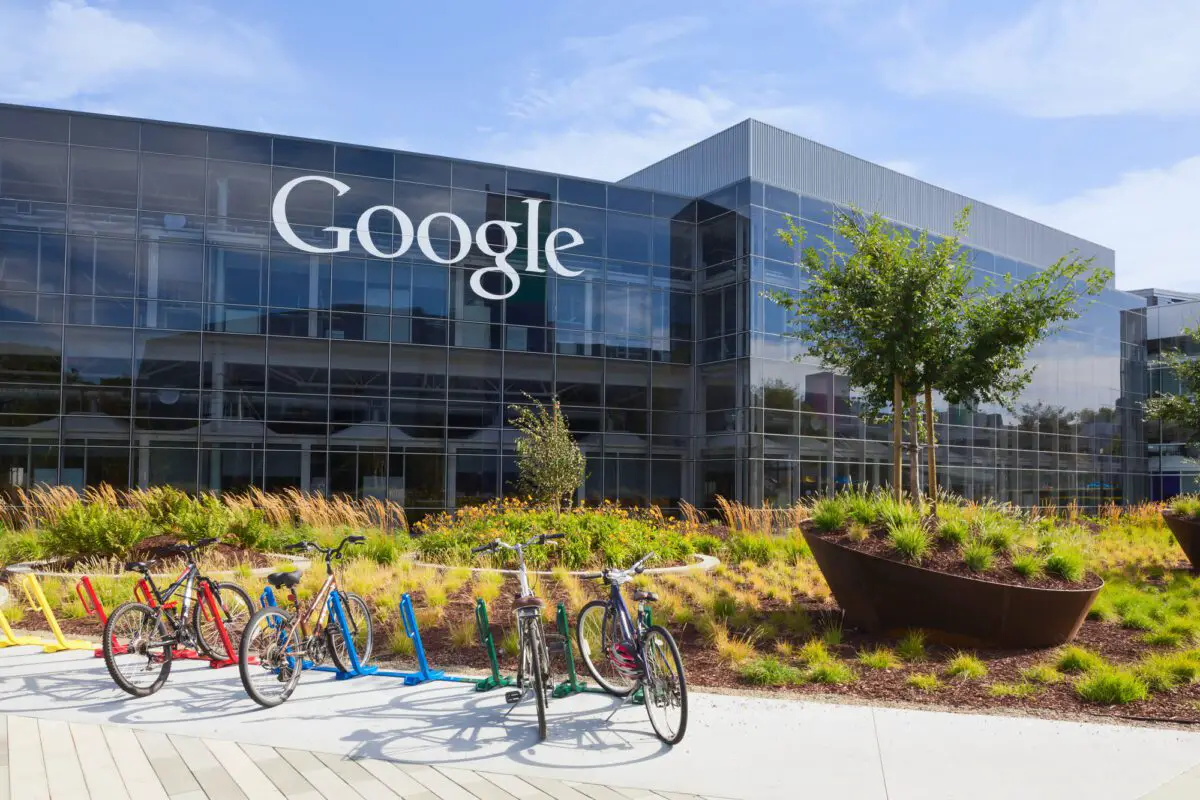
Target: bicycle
pixel 636 654
pixel 140 636
pixel 533 662
pixel 278 644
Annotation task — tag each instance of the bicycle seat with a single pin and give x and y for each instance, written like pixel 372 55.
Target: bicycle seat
pixel 136 566
pixel 533 601
pixel 640 596
pixel 285 580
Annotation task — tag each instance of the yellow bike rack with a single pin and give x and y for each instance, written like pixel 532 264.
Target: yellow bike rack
pixel 37 599
pixel 10 639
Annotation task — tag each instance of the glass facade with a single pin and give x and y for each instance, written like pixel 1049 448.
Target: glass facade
pixel 157 328
pixel 1174 460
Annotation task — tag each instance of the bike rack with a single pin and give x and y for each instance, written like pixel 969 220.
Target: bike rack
pixel 94 607
pixel 572 685
pixel 10 639
pixel 210 605
pixel 495 680
pixel 37 600
pixel 358 669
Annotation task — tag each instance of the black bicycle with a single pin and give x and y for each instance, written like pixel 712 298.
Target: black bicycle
pixel 624 654
pixel 141 637
pixel 533 664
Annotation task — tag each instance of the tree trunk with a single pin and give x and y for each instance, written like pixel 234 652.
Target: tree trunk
pixel 914 452
pixel 931 441
pixel 897 438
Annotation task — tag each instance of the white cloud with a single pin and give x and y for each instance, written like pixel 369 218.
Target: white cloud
pixel 612 115
pixel 1066 58
pixel 1146 216
pixel 73 51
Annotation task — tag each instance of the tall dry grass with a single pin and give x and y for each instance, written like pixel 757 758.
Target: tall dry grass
pixel 742 518
pixel 44 504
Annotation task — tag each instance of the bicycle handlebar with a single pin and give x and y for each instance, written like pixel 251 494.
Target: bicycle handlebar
pixel 329 552
pixel 496 544
pixel 608 573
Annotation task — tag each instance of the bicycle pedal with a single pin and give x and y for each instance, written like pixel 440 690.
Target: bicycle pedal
pixel 512 696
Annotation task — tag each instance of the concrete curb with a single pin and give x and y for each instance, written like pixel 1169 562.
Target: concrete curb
pixel 703 564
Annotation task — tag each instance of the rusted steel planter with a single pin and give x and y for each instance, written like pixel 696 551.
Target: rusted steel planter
pixel 880 595
pixel 1187 533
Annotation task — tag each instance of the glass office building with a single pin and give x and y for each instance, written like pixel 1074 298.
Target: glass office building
pixel 217 310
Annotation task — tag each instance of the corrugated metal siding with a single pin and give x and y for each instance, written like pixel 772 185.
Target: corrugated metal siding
pixel 702 168
pixel 793 162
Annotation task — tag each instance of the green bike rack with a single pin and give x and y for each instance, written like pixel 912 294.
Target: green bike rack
pixel 572 685
pixel 495 680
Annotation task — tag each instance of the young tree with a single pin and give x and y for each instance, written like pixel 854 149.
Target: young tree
pixel 902 317
pixel 1183 409
pixel 550 463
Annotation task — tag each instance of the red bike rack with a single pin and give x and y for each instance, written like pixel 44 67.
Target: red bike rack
pixel 141 592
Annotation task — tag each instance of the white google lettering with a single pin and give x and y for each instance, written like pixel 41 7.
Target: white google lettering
pixel 407 235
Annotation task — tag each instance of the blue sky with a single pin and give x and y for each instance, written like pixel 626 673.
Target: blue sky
pixel 1084 114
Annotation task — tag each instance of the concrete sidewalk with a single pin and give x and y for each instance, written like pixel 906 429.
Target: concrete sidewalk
pixel 736 747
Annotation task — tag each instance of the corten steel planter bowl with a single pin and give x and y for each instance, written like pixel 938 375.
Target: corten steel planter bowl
pixel 878 595
pixel 1187 533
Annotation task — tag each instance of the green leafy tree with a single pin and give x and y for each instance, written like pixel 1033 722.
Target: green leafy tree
pixel 901 317
pixel 1183 409
pixel 551 465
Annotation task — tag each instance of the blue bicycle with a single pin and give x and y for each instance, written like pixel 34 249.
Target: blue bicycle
pixel 624 654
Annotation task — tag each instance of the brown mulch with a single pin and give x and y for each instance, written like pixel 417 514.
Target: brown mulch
pixel 706 670
pixel 945 557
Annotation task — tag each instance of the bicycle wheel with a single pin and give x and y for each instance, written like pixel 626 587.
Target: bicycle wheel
pixel 270 657
pixel 137 649
pixel 534 655
pixel 595 632
pixel 358 619
pixel 235 606
pixel 665 688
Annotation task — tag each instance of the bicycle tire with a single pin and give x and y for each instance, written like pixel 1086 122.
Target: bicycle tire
pixel 361 628
pixel 532 638
pixel 649 691
pixel 607 625
pixel 209 641
pixel 112 629
pixel 247 650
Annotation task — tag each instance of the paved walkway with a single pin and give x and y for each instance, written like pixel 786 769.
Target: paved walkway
pixel 442 738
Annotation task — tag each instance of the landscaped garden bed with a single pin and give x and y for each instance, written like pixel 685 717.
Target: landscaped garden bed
pixel 765 619
pixel 1183 518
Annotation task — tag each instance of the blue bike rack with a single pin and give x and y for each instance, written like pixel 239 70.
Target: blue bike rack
pixel 407 616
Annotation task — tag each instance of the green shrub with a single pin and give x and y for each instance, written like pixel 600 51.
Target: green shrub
pixel 1186 505
pixel 769 671
pixel 911 647
pixel 815 652
pixel 248 528
pixel 895 514
pixel 1110 686
pixel 1013 690
pixel 831 634
pixel 19 546
pixel 834 673
pixel 911 541
pixel 953 531
pixel 95 531
pixel 879 658
pixel 966 667
pixel 1066 563
pixel 750 547
pixel 978 556
pixel 925 681
pixel 1000 533
pixel 1028 565
pixel 706 543
pixel 829 514
pixel 1042 674
pixel 860 508
pixel 1073 659
pixel 605 535
pixel 1164 672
